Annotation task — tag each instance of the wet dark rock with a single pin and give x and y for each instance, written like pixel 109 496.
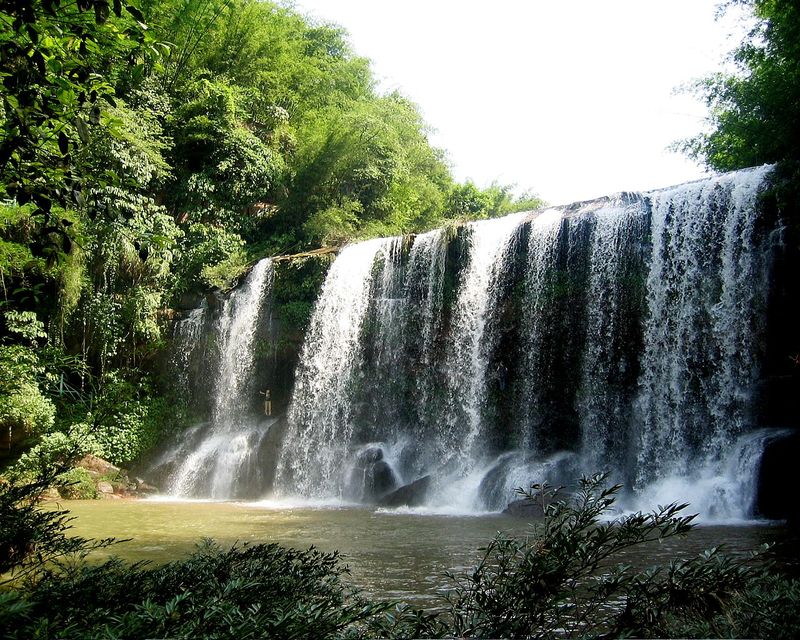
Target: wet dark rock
pixel 369 455
pixel 526 509
pixel 379 480
pixel 372 477
pixel 776 475
pixel 412 494
pixel 532 509
pixel 189 301
pixel 143 487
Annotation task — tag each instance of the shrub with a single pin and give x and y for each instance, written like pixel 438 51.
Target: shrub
pixel 24 410
pixel 32 538
pixel 54 447
pixel 562 581
pixel 261 591
pixel 127 420
pixel 77 484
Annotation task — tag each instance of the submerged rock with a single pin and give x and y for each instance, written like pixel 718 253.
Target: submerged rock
pixel 524 509
pixel 409 495
pixel 533 509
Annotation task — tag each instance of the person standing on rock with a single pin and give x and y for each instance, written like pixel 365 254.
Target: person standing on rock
pixel 267 402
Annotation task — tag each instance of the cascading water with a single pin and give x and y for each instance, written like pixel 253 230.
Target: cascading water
pixel 221 459
pixel 320 417
pixel 706 295
pixel 448 368
pixel 619 334
pixel 613 302
pixel 472 337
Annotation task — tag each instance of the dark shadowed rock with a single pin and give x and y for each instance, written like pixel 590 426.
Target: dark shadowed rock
pixel 532 509
pixel 776 477
pixel 409 495
pixel 524 509
pixel 379 479
pixel 371 477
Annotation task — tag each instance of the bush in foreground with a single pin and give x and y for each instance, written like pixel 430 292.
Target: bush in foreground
pixel 563 581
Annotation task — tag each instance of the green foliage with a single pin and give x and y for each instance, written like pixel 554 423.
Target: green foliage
pixel 561 582
pixel 468 202
pixel 221 165
pixel 211 256
pixel 25 324
pixel 767 607
pixel 52 450
pixel 295 288
pixel 55 79
pixel 755 112
pixel 127 421
pixel 365 168
pixel 31 537
pixel 262 591
pixel 77 484
pixel 24 410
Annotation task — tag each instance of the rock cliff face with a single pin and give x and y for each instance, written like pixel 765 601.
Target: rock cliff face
pixel 634 334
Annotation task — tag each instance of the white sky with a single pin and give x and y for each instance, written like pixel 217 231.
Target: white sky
pixel 573 99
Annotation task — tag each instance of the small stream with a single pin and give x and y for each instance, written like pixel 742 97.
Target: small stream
pixel 391 554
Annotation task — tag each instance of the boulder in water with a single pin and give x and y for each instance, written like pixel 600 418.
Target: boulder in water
pixel 372 477
pixel 368 456
pixel 412 494
pixel 379 480
pixel 527 509
pixel 531 509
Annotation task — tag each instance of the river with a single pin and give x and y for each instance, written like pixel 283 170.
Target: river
pixel 391 554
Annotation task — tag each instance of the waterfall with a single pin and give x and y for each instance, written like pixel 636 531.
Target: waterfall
pixel 613 302
pixel 623 334
pixel 187 351
pixel 539 285
pixel 472 338
pixel 320 417
pixel 221 459
pixel 706 295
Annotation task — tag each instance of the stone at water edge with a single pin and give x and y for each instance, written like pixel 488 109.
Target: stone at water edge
pixel 96 466
pixel 409 495
pixel 144 487
pixel 380 479
pixel 105 487
pixel 532 509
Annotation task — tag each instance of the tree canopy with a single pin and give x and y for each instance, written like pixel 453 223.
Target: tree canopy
pixel 755 111
pixel 151 149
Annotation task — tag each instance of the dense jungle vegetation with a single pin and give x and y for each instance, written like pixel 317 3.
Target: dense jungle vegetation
pixel 157 150
pixel 154 150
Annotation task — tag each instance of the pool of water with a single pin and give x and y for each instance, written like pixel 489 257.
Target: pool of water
pixel 391 554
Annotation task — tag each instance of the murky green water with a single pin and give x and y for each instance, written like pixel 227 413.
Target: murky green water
pixel 393 555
